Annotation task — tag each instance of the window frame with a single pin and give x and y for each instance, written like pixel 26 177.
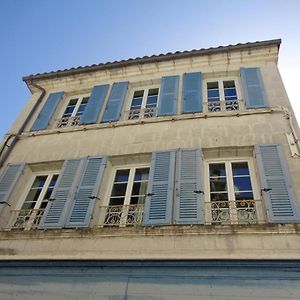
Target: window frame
pixel 220 81
pixel 72 120
pixel 128 193
pixel 230 190
pixel 145 90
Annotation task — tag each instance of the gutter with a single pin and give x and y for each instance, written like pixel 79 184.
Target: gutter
pixel 7 147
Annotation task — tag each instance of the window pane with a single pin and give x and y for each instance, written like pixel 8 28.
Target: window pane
pixel 218 186
pixel 244 196
pixel 242 184
pixel 240 168
pixel 122 176
pixel 34 192
pixel 152 98
pixel 136 102
pixel 116 201
pixel 141 174
pixel 229 90
pixel 119 189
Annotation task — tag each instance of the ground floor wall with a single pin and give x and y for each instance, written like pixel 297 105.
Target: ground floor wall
pixel 149 280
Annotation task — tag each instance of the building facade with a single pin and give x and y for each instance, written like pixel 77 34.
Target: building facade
pixel 166 177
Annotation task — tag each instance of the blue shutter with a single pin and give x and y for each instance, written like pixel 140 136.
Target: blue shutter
pixel 159 202
pixel 253 88
pixel 94 104
pixel 192 93
pixel 280 199
pixel 168 96
pixel 63 195
pixel 47 111
pixel 115 102
pixel 83 204
pixel 8 179
pixel 189 200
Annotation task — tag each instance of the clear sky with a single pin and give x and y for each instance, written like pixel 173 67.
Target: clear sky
pixel 48 35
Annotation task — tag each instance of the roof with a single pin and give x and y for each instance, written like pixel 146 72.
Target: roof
pixel 150 59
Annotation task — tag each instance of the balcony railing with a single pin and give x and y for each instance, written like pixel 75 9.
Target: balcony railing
pixel 232 212
pixel 26 218
pixel 68 121
pixel 122 215
pixel 141 113
pixel 223 105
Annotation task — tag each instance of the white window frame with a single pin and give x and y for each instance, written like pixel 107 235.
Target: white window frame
pixel 33 212
pixel 230 189
pixel 220 82
pixel 144 101
pixel 132 168
pixel 73 119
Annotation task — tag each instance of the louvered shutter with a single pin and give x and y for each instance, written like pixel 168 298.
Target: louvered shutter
pixel 62 197
pixel 168 96
pixel 47 111
pixel 94 104
pixel 253 88
pixel 189 200
pixel 280 199
pixel 192 93
pixel 159 202
pixel 8 180
pixel 82 206
pixel 115 102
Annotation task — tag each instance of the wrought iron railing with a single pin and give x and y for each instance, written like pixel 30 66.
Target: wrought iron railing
pixel 223 105
pixel 233 212
pixel 122 215
pixel 68 121
pixel 140 113
pixel 25 218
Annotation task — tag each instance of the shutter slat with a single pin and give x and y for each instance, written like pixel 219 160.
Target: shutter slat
pixel 168 96
pixel 82 207
pixel 62 196
pixel 192 92
pixel 189 205
pixel 158 207
pixel 94 104
pixel 47 111
pixel 8 180
pixel 115 102
pixel 280 200
pixel 253 87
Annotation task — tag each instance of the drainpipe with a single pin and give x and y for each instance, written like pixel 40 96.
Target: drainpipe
pixel 12 138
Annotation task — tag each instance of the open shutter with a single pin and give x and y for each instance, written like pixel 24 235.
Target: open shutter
pixel 159 201
pixel 192 93
pixel 63 195
pixel 253 88
pixel 168 96
pixel 189 206
pixel 83 204
pixel 47 111
pixel 277 188
pixel 8 180
pixel 94 104
pixel 115 102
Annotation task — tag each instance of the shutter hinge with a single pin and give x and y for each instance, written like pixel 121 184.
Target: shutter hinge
pixel 199 192
pixel 150 194
pixel 94 197
pixel 265 190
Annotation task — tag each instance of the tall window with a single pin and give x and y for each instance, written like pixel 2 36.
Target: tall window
pixel 127 197
pixel 36 201
pixel 73 112
pixel 222 95
pixel 230 193
pixel 143 104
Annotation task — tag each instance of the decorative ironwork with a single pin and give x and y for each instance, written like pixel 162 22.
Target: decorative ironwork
pixel 139 113
pixel 227 105
pixel 68 121
pixel 26 218
pixel 234 212
pixel 123 215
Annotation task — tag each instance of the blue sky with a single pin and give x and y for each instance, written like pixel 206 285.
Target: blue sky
pixel 46 35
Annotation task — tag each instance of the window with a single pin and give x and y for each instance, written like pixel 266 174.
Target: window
pixel 231 196
pixel 143 104
pixel 36 201
pixel 222 95
pixel 127 198
pixel 73 112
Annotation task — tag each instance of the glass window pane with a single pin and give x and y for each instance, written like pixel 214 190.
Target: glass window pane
pixel 141 174
pixel 244 196
pixel 242 184
pixel 136 102
pixel 212 85
pixel 122 176
pixel 116 201
pixel 240 168
pixel 119 189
